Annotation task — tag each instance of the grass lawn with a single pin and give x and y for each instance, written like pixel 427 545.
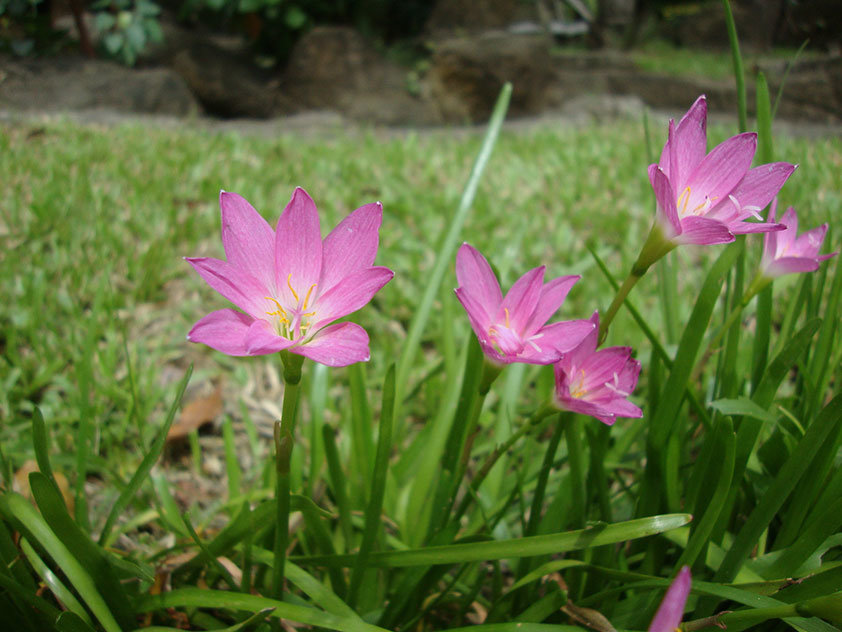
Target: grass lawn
pixel 95 222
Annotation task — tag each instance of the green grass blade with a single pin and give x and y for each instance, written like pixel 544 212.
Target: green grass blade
pixel 448 245
pixel 719 480
pixel 737 59
pixel 219 599
pixel 72 622
pixel 664 418
pixel 378 485
pixel 762 333
pixel 30 606
pixel 41 443
pixel 146 464
pixel 309 585
pixel 93 559
pixel 777 493
pixel 17 509
pixel 809 539
pixel 337 483
pixel 362 443
pixel 207 555
pixel 765 147
pixel 820 364
pixel 516 548
pixel 61 592
pixel 786 76
pixel 232 465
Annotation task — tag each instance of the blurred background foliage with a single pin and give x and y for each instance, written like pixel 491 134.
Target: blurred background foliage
pixel 123 29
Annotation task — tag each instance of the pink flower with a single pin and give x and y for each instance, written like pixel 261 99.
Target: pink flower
pixel 704 198
pixel 290 284
pixel 786 252
pixel 597 383
pixel 512 329
pixel 669 614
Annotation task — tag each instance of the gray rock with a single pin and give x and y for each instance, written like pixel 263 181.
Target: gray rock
pixel 76 83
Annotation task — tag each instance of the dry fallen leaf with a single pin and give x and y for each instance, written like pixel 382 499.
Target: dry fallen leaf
pixel 21 484
pixel 197 413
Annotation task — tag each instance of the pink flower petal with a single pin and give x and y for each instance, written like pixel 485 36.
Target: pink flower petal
pixel 476 278
pixel 298 248
pixel 790 265
pixel 350 294
pixel 602 366
pixel 224 330
pixel 690 141
pixel 233 283
pixel 552 296
pixel 565 335
pixel 667 214
pixel 671 609
pixel 739 227
pixel 248 239
pixel 261 339
pixel 720 171
pixel 807 244
pixel 351 246
pixel 337 345
pixel 478 317
pixel 577 357
pixel 761 184
pixel 522 299
pixel 704 231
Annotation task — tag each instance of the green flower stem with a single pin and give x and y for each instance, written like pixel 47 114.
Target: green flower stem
pixel 655 247
pixel 621 295
pixel 490 371
pixel 284 433
pixel 759 283
pixel 533 422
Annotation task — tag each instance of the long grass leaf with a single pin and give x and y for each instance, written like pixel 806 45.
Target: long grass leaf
pixel 147 462
pixel 378 485
pixel 777 493
pixel 448 245
pixel 719 480
pixel 737 59
pixel 216 599
pixel 17 509
pixel 96 561
pixel 516 548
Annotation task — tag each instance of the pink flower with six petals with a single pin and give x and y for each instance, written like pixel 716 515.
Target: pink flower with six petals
pixel 786 252
pixel 512 329
pixel 668 616
pixel 704 198
pixel 597 383
pixel 290 284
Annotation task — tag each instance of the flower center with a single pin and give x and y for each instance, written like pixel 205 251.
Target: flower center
pixel 503 338
pixel 577 386
pixel 700 209
pixel 293 322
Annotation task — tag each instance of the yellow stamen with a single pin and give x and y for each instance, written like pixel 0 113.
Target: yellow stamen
pixel 289 285
pixel 307 298
pixel 505 309
pixel 579 389
pixel 685 195
pixel 279 312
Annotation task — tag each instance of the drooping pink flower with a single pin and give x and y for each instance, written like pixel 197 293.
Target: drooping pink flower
pixel 705 198
pixel 668 616
pixel 290 284
pixel 786 252
pixel 597 383
pixel 512 329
